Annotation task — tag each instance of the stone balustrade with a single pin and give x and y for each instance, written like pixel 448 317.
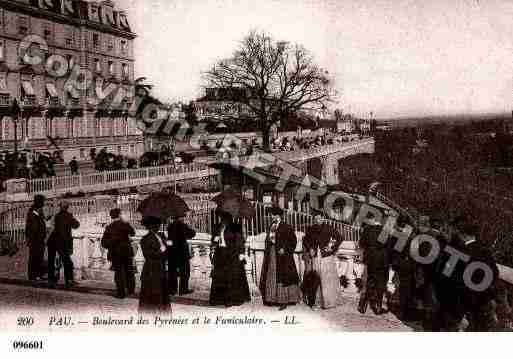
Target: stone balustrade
pixel 91 263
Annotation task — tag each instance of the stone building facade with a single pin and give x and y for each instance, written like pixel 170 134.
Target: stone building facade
pixel 220 104
pixel 69 64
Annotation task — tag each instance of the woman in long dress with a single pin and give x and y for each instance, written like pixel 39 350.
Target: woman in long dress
pixel 279 281
pixel 154 293
pixel 229 282
pixel 320 245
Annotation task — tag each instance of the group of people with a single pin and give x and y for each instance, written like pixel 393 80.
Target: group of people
pixel 56 241
pixel 166 270
pixel 446 299
pixel 433 292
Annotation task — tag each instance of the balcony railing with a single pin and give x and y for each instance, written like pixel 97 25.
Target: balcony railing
pixel 5 101
pixel 53 102
pixel 29 101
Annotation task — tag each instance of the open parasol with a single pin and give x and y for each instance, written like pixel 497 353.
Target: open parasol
pixel 163 205
pixel 231 202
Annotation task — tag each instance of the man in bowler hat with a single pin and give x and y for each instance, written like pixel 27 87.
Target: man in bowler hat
pixel 116 239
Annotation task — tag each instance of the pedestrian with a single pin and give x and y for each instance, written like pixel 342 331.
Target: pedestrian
pixel 477 304
pixel 426 274
pixel 320 246
pixel 179 267
pixel 229 282
pixel 154 296
pixel 279 281
pixel 61 242
pixel 116 239
pixel 375 258
pixel 480 305
pixel 73 166
pixel 35 232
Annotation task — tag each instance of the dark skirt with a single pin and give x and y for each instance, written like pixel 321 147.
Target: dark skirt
pixel 154 295
pixel 229 280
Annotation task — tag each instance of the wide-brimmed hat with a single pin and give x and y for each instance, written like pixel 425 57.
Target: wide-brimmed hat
pixel 115 213
pixel 39 200
pixel 151 221
pixel 275 211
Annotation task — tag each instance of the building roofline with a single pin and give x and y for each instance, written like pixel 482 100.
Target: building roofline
pixel 76 21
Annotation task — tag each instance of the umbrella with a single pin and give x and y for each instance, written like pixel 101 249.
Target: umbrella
pixel 232 202
pixel 163 205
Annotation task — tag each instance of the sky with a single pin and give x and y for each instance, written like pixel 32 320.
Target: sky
pixel 396 58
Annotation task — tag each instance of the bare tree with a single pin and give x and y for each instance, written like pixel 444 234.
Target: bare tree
pixel 278 79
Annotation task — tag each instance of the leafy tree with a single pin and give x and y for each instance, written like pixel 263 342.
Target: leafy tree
pixel 278 78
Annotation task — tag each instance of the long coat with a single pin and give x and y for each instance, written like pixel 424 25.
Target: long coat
pixel 35 229
pixel 154 293
pixel 229 281
pixel 116 239
pixel 178 253
pixel 64 223
pixel 286 271
pixel 375 254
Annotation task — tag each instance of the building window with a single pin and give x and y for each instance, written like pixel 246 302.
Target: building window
pixel 5 99
pixel 23 25
pixel 70 37
pixel 47 32
pixel 97 65
pixel 2 50
pixel 28 95
pixel 120 150
pixel 132 149
pixel 96 41
pixel 124 68
pixel 124 47
pixel 111 68
pixel 110 45
pixel 71 62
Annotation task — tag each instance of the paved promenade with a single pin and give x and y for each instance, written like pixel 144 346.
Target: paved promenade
pixel 96 299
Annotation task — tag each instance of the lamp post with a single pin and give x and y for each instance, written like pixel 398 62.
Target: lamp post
pixel 15 113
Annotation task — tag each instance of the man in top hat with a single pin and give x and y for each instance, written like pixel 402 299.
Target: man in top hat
pixel 35 232
pixel 116 239
pixel 61 242
pixel 279 282
pixel 320 246
pixel 178 233
pixel 478 304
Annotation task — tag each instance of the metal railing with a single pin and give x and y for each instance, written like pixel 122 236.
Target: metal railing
pixel 117 179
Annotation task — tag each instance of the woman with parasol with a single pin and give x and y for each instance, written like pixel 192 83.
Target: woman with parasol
pixel 154 293
pixel 229 282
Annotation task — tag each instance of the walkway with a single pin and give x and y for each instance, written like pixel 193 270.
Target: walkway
pixel 23 190
pixel 95 298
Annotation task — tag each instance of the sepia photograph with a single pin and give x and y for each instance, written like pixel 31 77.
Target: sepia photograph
pixel 273 167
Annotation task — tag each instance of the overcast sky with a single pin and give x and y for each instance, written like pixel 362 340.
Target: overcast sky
pixel 392 57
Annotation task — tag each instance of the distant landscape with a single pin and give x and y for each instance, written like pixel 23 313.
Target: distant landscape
pixel 452 119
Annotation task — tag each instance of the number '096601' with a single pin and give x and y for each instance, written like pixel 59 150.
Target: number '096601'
pixel 27 345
